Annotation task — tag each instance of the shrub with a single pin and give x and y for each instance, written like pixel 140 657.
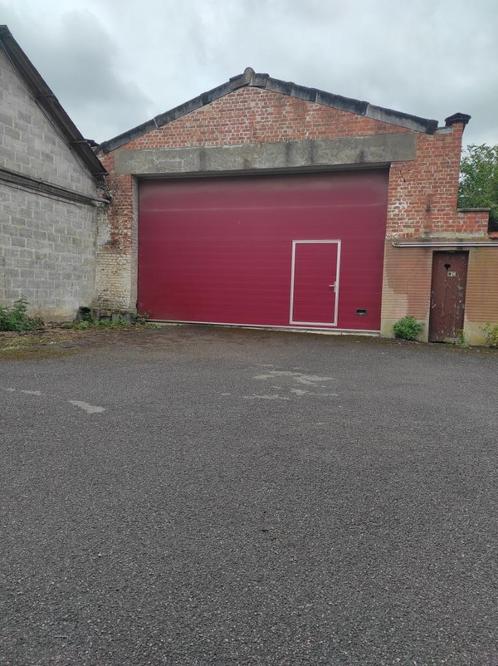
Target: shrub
pixel 15 317
pixel 491 334
pixel 407 328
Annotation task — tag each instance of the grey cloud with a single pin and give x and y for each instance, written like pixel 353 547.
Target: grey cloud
pixel 431 59
pixel 117 63
pixel 80 61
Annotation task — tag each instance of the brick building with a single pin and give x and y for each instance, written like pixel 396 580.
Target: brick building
pixel 258 203
pixel 50 190
pixel 203 225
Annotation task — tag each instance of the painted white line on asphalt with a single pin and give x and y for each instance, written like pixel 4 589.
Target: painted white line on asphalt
pixel 265 397
pixel 89 409
pixel 302 392
pixel 299 377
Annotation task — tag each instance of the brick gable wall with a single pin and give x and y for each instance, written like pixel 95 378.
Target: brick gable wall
pixel 252 115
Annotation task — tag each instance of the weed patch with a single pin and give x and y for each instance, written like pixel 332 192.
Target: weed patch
pixel 15 318
pixel 491 334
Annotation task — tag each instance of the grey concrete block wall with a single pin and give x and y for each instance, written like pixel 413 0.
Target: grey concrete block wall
pixel 47 252
pixel 29 142
pixel 47 243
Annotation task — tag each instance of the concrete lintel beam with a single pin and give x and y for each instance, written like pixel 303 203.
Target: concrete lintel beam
pixel 361 151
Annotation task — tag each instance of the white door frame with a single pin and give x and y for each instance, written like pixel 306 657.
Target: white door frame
pixel 292 321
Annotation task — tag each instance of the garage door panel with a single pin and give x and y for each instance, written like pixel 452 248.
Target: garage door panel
pixel 220 250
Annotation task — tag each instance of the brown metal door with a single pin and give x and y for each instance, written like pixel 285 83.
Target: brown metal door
pixel 449 278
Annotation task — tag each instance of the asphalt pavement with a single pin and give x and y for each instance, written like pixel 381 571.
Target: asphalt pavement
pixel 202 496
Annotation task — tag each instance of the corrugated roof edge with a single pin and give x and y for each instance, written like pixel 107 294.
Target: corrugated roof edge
pixel 253 79
pixel 49 102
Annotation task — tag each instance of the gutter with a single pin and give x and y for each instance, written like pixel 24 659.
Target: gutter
pixel 48 189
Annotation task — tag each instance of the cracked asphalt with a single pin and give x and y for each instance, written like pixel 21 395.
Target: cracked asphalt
pixel 202 496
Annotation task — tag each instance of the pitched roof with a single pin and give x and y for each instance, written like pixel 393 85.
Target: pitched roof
pixel 49 102
pixel 252 79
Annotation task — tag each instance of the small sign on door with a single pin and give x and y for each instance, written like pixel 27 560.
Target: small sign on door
pixel 451 273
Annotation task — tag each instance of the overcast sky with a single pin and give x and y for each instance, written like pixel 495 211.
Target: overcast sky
pixel 116 63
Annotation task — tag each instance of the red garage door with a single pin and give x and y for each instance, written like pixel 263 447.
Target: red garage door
pixel 299 251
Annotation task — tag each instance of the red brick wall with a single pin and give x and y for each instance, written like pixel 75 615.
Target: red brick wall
pixel 423 192
pixel 253 115
pixel 472 222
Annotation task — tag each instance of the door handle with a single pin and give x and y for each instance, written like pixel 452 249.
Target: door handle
pixel 332 286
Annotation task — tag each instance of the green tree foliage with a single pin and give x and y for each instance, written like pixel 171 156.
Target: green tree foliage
pixel 479 178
